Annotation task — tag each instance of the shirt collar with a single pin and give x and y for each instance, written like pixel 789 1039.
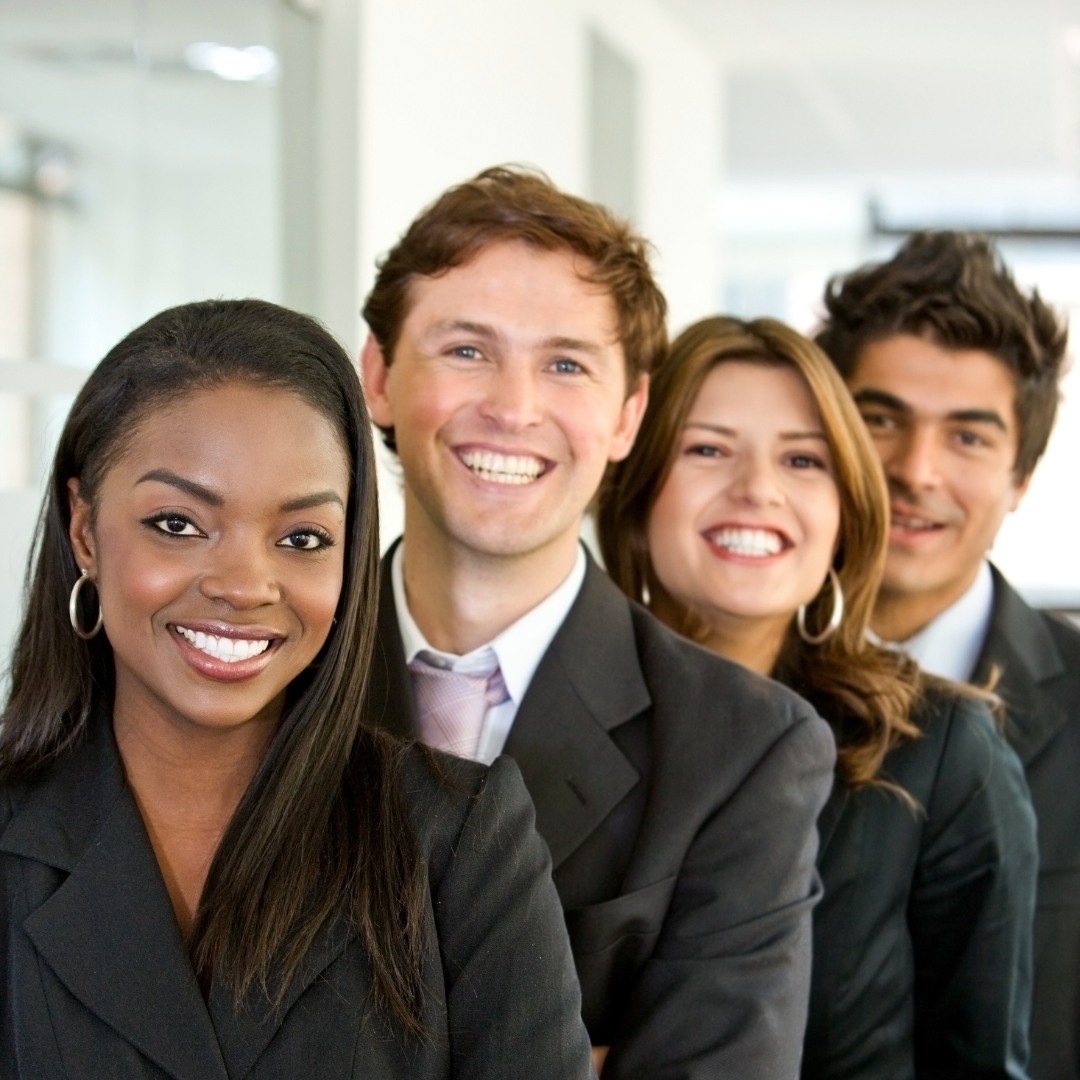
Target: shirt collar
pixel 519 648
pixel 950 644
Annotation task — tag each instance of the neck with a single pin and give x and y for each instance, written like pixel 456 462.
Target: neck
pixel 462 600
pixel 187 784
pixel 754 643
pixel 899 614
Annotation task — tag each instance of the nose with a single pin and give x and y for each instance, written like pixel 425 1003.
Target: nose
pixel 913 460
pixel 242 575
pixel 756 482
pixel 513 398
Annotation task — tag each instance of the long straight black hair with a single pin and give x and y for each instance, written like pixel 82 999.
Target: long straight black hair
pixel 323 828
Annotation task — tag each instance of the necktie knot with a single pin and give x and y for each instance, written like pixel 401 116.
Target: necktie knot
pixel 451 704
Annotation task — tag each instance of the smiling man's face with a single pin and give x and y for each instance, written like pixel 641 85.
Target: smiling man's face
pixel 944 423
pixel 508 397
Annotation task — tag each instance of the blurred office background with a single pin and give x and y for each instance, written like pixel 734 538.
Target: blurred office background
pixel 158 151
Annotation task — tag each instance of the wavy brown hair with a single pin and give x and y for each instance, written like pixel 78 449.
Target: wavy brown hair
pixel 865 691
pixel 323 829
pixel 508 203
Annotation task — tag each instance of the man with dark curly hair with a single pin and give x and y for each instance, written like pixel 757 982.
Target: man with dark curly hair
pixel 957 372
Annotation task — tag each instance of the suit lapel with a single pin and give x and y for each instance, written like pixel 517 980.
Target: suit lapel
pixel 1020 647
pixel 588 682
pixel 391 697
pixel 245 1033
pixel 110 935
pixel 108 932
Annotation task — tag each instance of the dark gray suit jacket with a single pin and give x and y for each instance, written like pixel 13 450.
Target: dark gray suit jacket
pixel 678 794
pixel 1038 657
pixel 97 982
pixel 922 942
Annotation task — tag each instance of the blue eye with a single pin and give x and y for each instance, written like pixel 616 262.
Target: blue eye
pixel 567 367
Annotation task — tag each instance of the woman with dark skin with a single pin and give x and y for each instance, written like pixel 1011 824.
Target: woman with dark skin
pixel 752 516
pixel 211 865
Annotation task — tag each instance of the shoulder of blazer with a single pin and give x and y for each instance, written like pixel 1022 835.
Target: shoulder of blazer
pixel 1036 658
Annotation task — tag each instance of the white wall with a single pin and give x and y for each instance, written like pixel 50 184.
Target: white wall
pixel 448 89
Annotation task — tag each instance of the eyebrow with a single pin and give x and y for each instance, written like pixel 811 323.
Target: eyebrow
pixel 957 416
pixel 719 429
pixel 489 333
pixel 213 498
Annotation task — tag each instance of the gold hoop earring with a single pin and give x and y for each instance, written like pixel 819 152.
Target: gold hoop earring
pixel 834 619
pixel 73 608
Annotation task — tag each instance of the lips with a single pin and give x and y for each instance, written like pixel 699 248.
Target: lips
pixel 510 469
pixel 911 521
pixel 227 653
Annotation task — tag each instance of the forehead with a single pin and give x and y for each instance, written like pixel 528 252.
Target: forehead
pixel 771 392
pixel 516 284
pixel 235 431
pixel 933 380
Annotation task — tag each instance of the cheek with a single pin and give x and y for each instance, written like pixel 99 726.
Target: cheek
pixel 317 602
pixel 135 581
pixel 667 530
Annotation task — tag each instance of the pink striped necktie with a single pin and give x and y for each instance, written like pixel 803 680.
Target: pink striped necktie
pixel 451 704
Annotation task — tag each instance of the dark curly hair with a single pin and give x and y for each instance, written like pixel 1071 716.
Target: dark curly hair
pixel 954 289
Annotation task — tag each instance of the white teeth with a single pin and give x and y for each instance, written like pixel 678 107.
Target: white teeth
pixel 503 468
pixel 913 523
pixel 754 542
pixel 230 650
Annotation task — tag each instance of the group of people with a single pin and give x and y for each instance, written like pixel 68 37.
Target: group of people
pixel 788 788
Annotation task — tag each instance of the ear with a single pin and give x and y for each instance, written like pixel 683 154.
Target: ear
pixel 83 546
pixel 1019 491
pixel 376 374
pixel 633 409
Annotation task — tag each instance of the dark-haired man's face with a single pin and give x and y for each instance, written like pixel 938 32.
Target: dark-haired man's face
pixel 944 422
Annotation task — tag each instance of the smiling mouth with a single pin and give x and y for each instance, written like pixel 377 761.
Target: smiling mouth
pixel 912 522
pixel 510 469
pixel 227 650
pixel 753 543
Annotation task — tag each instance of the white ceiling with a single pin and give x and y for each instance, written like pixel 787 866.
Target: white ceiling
pixel 872 87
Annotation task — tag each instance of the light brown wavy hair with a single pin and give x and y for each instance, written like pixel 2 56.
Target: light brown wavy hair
pixel 866 692
pixel 515 203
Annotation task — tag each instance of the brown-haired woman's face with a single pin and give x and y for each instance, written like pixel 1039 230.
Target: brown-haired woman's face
pixel 746 523
pixel 216 542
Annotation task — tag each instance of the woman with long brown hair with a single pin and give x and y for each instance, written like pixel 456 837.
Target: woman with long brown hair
pixel 211 864
pixel 752 516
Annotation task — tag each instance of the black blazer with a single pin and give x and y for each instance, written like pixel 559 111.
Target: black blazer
pixel 678 794
pixel 1038 657
pixel 97 983
pixel 922 942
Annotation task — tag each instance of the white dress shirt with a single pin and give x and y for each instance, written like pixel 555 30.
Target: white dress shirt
pixel 518 649
pixel 950 644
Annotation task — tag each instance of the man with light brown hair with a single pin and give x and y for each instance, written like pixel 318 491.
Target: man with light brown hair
pixel 513 330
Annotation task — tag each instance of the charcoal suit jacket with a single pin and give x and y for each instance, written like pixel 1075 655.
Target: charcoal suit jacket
pixel 922 942
pixel 97 984
pixel 678 794
pixel 1037 660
